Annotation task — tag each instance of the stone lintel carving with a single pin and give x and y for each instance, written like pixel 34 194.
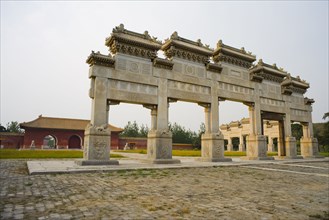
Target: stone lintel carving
pixel 308 101
pixel 186 49
pixel 214 67
pixel 171 100
pixel 205 105
pixel 163 63
pixel 249 104
pixel 132 43
pixel 100 59
pixel 113 102
pixel 151 107
pixel 228 54
pixel 265 71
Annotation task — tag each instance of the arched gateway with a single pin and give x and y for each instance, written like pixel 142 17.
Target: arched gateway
pixel 195 73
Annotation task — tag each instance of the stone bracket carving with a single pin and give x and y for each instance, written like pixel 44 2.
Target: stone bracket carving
pixel 308 101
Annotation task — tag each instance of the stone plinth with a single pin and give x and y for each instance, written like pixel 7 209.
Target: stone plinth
pixel 257 148
pixel 291 150
pixel 309 147
pixel 97 146
pixel 212 148
pixel 159 147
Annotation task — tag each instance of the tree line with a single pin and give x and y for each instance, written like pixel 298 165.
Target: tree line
pixel 179 133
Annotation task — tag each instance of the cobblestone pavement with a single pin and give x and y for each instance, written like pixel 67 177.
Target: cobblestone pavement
pixel 255 192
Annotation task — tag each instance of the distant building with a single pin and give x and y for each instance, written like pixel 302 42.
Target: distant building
pixel 11 140
pixel 60 133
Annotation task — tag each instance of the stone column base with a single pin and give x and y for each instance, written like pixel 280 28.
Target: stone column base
pixel 164 161
pixel 97 144
pixel 159 147
pixel 96 162
pixel 257 148
pixel 212 148
pixel 291 150
pixel 309 147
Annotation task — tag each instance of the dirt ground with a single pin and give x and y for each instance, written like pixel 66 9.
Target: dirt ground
pixel 290 191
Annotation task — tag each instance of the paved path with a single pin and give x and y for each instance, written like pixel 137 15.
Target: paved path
pixel 273 190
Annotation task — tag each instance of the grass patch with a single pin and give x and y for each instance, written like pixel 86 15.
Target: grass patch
pixel 43 154
pixel 325 154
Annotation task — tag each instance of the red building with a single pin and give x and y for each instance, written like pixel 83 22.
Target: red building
pixel 60 133
pixel 11 140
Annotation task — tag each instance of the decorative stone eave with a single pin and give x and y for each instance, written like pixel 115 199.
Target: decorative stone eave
pixel 244 121
pixel 292 84
pixel 228 54
pixel 235 124
pixel 163 63
pixel 132 43
pixel 100 59
pixel 186 49
pixel 308 101
pixel 265 71
pixel 225 127
pixel 214 67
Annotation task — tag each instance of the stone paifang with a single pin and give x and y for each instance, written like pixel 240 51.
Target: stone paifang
pixel 191 71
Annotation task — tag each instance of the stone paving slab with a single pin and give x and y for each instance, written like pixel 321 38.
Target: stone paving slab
pixel 133 163
pixel 245 192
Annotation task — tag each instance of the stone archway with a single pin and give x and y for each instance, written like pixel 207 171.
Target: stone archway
pixel 191 71
pixel 75 142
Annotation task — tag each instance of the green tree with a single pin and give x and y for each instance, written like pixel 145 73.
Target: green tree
pixel 143 131
pixel 196 141
pixel 134 130
pixel 130 130
pixel 13 126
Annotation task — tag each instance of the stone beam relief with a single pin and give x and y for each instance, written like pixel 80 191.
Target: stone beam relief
pixel 190 70
pixel 133 87
pixel 187 87
pixel 134 67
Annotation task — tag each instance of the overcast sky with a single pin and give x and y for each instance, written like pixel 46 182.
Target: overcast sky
pixel 44 46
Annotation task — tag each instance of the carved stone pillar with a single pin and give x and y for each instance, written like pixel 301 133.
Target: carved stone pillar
pixel 270 145
pixel 308 144
pixel 212 141
pixel 290 141
pixel 97 134
pixel 242 146
pixel 256 141
pixel 229 144
pixel 159 138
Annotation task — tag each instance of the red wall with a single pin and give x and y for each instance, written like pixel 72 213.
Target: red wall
pixel 141 143
pixel 11 140
pixel 62 137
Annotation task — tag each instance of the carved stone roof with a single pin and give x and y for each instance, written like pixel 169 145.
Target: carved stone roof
pixel 100 59
pixel 183 48
pixel 233 55
pixel 265 71
pixel 294 84
pixel 61 123
pixel 132 43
